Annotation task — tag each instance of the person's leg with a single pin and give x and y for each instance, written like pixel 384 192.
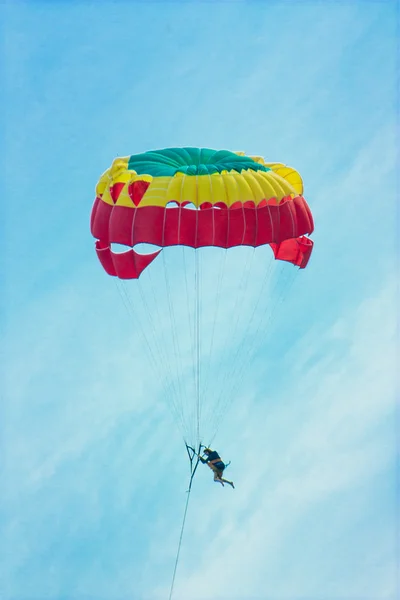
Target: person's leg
pixel 226 481
pixel 218 478
pixel 218 475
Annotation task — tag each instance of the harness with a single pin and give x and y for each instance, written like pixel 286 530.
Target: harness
pixel 215 461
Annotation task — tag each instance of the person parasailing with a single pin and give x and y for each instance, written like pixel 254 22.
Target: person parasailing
pixel 216 464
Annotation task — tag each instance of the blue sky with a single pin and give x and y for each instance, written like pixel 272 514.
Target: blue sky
pixel 93 467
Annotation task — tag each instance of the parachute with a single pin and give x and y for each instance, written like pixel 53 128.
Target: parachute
pixel 178 228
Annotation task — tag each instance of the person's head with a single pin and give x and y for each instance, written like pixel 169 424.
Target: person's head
pixel 207 451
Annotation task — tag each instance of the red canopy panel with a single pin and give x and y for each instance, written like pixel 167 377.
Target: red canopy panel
pixel 296 251
pixel 281 225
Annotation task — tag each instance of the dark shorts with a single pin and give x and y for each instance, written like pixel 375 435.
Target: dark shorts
pixel 219 465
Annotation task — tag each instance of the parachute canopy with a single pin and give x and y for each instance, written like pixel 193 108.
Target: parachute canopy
pixel 239 200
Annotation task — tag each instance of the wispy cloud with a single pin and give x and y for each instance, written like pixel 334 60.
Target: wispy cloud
pixel 94 472
pixel 326 440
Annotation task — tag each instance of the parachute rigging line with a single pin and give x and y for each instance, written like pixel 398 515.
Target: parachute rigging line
pixel 191 328
pixel 191 453
pixel 175 339
pixel 240 201
pixel 233 379
pixel 197 288
pixel 175 408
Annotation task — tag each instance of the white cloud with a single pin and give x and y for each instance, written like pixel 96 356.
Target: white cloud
pixel 335 445
pixel 90 466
